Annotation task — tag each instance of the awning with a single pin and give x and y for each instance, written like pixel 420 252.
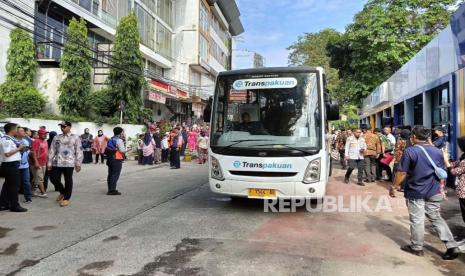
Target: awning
pixel 164 88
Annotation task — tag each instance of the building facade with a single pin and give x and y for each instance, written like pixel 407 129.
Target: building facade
pixel 244 59
pixel 203 39
pixel 184 43
pixel 429 89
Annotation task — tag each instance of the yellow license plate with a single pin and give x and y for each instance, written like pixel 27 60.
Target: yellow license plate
pixel 263 193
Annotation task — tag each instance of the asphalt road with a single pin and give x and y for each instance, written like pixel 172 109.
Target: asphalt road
pixel 167 222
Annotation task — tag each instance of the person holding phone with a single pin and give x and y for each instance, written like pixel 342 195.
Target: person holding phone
pixel 10 156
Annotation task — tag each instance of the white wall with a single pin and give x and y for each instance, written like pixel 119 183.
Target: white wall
pixel 78 128
pixel 47 82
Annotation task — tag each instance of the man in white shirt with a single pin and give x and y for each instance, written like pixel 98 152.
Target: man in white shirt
pixel 354 152
pixel 390 137
pixel 10 156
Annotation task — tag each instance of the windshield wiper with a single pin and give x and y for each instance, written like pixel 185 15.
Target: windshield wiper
pixel 312 152
pixel 238 142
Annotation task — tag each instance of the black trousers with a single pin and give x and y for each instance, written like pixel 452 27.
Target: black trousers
pixel 342 155
pixel 9 194
pixel 87 157
pixel 114 171
pixel 101 156
pixel 55 178
pixel 462 207
pixel 164 155
pixel 175 158
pixel 360 165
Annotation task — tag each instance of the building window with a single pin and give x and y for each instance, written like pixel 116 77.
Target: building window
pixel 154 70
pixel 49 37
pixel 418 110
pixel 165 11
pixel 195 78
pixel 203 48
pixel 399 110
pixel 146 27
pixel 163 40
pixel 150 4
pixel 204 15
pixel 441 106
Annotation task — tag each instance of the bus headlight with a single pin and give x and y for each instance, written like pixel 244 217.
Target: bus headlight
pixel 312 174
pixel 216 171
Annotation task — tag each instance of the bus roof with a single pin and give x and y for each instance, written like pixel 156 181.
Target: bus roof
pixel 271 70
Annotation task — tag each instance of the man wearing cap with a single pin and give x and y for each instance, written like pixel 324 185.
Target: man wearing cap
pixel 40 150
pixel 65 155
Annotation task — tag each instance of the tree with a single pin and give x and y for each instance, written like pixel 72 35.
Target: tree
pixel 18 96
pixel 75 88
pixel 383 37
pixel 311 50
pixel 21 63
pixel 126 74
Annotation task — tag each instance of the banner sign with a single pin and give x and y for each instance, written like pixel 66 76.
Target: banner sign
pixel 156 97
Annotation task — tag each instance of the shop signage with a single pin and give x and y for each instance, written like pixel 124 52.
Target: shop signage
pixel 156 97
pixel 183 94
pixel 160 86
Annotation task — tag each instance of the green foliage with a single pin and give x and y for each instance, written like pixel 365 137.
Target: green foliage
pixel 310 50
pixel 21 61
pixel 126 75
pixel 102 102
pixel 75 63
pixel 383 37
pixel 21 99
pixel 351 118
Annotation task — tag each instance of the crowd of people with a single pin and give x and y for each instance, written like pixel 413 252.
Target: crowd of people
pixel 32 159
pixel 417 161
pixel 154 147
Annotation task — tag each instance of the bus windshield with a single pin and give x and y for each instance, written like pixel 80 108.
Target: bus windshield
pixel 279 111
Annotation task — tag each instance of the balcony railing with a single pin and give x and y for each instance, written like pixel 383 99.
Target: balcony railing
pixel 100 14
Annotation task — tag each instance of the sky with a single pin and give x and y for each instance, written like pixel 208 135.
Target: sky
pixel 273 25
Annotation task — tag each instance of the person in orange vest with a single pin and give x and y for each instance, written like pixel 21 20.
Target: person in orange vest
pixel 115 155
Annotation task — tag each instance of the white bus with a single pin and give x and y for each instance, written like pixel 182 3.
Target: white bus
pixel 268 129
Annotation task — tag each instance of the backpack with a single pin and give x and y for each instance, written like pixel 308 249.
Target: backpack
pixel 110 150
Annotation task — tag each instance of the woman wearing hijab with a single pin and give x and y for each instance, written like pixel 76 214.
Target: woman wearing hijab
pixel 99 145
pixel 148 148
pixel 86 141
pixel 458 169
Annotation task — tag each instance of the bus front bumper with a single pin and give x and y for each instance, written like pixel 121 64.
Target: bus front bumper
pixel 237 188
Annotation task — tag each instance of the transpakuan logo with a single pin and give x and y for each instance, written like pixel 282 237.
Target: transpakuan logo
pixel 267 83
pixel 263 166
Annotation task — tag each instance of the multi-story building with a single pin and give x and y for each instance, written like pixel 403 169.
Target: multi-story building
pixel 185 43
pixel 203 39
pixel 243 59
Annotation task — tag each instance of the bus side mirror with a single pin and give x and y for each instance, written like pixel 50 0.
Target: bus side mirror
pixel 332 111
